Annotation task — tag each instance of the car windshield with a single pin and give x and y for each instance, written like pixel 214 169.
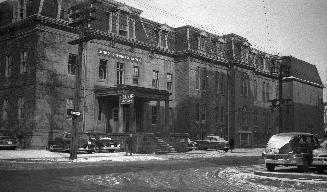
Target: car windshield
pixel 278 141
pixel 324 144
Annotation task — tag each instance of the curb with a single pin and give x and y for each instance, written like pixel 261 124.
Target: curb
pixel 298 176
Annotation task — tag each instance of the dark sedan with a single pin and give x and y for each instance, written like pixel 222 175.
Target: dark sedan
pixel 8 142
pixel 62 143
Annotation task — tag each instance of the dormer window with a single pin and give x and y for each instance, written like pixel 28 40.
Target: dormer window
pixel 219 48
pixel 19 10
pixel 202 41
pixel 121 23
pixel 163 36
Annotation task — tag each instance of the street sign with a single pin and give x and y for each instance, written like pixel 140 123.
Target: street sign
pixel 127 99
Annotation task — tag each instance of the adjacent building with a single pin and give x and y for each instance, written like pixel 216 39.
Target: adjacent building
pixel 143 77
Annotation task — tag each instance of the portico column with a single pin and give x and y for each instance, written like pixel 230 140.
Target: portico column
pixel 167 115
pixel 158 117
pixel 145 117
pixel 120 116
pixel 131 118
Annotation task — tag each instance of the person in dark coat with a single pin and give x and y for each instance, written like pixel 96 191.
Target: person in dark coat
pixel 231 145
pixel 129 143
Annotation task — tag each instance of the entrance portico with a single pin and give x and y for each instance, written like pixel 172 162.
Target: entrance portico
pixel 129 108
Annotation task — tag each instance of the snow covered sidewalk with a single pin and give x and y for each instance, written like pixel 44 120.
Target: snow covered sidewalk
pixel 44 155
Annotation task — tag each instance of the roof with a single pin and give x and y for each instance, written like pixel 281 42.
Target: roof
pixel 294 133
pixel 303 70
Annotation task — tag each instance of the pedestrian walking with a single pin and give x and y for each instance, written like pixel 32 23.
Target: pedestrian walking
pixel 231 145
pixel 129 142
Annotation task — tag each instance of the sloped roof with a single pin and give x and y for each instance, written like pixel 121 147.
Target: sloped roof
pixel 303 70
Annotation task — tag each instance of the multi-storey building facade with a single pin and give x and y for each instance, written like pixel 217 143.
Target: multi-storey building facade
pixel 181 80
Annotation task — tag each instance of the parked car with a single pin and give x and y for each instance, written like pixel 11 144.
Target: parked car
pixel 105 143
pixel 213 142
pixel 290 149
pixel 320 157
pixel 7 141
pixel 62 143
pixel 191 145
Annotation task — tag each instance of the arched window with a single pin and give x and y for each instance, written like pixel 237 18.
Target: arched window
pixel 244 116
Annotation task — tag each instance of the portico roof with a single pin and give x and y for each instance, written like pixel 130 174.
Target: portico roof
pixel 141 92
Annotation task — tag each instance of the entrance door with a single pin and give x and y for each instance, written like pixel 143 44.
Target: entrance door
pixel 126 118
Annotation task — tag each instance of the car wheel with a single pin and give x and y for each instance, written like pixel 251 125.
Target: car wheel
pixel 270 167
pixel 96 149
pixel 320 169
pixel 305 166
pixel 51 148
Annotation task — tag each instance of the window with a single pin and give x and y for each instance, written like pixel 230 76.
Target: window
pixel 72 64
pixel 197 112
pixel 255 117
pixel 120 73
pixel 136 75
pixel 116 114
pixel 100 110
pixel 244 116
pixel 163 39
pixel 203 112
pixel 123 24
pixel 8 66
pixel 217 114
pixel 20 107
pixel 154 115
pixel 255 87
pixel 19 10
pixel 222 84
pixel 217 81
pixel 5 108
pixel 69 106
pixel 244 139
pixel 267 92
pixel 197 78
pixel 155 79
pixel 169 81
pixel 23 59
pixel 201 43
pixel 263 91
pixel 244 55
pixel 103 69
pixel 222 114
pixel 204 79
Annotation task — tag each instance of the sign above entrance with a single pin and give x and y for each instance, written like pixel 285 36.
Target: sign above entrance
pixel 118 55
pixel 127 99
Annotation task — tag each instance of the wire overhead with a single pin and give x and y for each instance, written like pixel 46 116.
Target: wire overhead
pixel 174 16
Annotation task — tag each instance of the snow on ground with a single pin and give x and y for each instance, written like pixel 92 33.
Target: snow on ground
pixel 39 155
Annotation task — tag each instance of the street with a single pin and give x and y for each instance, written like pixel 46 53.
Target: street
pixel 225 173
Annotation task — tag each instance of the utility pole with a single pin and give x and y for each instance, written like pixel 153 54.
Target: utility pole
pixel 81 16
pixel 282 72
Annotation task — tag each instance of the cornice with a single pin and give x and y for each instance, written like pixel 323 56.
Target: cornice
pixel 292 78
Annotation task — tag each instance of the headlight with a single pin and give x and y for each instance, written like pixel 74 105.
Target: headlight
pixel 89 142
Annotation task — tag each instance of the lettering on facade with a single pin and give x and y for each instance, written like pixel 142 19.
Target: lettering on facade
pixel 117 55
pixel 127 99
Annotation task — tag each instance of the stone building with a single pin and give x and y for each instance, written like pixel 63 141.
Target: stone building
pixel 181 80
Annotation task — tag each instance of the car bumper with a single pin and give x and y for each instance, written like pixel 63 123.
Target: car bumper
pixel 109 148
pixel 319 161
pixel 8 145
pixel 284 160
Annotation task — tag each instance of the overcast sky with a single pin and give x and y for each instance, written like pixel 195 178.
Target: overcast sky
pixel 288 27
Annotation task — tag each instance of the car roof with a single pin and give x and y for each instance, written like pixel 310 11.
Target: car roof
pixel 294 133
